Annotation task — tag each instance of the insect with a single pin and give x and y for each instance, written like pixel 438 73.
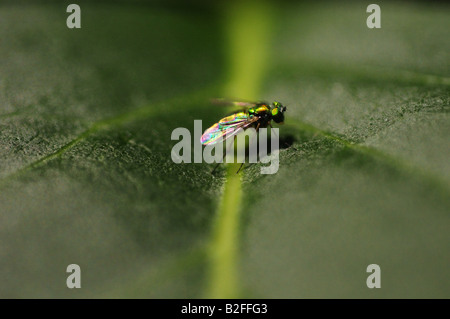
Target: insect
pixel 252 114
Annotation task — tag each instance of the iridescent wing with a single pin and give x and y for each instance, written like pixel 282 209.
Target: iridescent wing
pixel 227 127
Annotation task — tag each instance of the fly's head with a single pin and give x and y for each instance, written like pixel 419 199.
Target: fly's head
pixel 277 111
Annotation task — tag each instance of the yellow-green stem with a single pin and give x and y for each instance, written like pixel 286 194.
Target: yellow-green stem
pixel 247 30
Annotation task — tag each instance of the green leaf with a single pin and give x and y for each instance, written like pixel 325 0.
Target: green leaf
pixel 86 175
pixel 367 179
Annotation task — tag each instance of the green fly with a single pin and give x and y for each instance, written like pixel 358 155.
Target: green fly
pixel 257 115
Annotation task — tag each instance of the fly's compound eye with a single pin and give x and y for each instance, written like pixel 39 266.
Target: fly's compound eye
pixel 275 112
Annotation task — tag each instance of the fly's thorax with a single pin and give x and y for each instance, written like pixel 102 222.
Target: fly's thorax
pixel 260 110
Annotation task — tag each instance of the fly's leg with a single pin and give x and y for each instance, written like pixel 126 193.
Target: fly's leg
pixel 285 144
pixel 224 155
pixel 257 128
pixel 270 124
